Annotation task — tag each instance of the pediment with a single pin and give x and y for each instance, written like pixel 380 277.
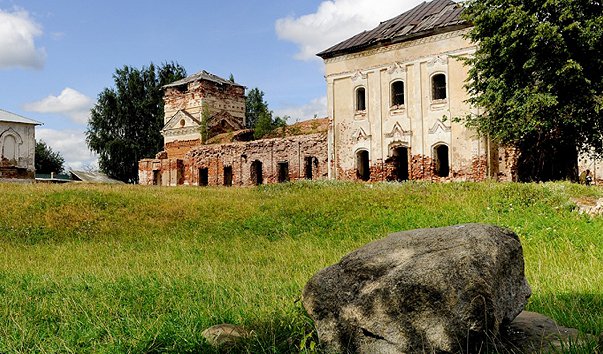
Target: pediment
pixel 182 119
pixel 223 121
pixel 397 132
pixel 360 134
pixel 439 125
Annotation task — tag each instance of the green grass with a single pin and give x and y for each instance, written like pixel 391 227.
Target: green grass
pixel 142 269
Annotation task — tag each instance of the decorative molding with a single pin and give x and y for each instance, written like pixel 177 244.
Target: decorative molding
pixel 397 132
pixel 180 131
pixel 360 134
pixel 439 125
pixel 397 68
pixel 385 48
pixel 405 61
pixel 13 133
pixel 438 60
pixel 359 76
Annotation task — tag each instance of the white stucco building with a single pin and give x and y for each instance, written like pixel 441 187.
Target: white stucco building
pixel 17 147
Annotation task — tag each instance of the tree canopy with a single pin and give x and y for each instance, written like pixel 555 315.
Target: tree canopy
pixel 537 76
pixel 47 160
pixel 257 115
pixel 125 124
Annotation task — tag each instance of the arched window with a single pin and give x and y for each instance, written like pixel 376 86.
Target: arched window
pixel 10 148
pixel 363 170
pixel 438 87
pixel 360 99
pixel 440 157
pixel 397 91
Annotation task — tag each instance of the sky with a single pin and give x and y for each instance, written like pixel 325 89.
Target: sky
pixel 57 56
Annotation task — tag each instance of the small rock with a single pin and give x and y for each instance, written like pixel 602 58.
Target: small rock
pixel 532 332
pixel 225 334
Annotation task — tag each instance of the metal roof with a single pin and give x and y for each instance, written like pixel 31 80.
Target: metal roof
pixel 424 20
pixel 6 116
pixel 202 75
pixel 92 177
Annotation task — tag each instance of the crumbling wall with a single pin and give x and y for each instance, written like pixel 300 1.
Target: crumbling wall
pixel 235 163
pixel 179 148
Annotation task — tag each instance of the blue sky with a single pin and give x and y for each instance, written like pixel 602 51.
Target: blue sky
pixel 57 56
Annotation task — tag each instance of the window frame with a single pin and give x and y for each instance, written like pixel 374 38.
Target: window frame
pixel 393 94
pixel 357 107
pixel 436 91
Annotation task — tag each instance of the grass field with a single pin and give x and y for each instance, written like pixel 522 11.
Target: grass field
pixel 140 269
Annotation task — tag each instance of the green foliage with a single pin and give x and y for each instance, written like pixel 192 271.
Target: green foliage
pixel 537 76
pixel 205 116
pixel 125 124
pixel 258 117
pixel 134 269
pixel 47 160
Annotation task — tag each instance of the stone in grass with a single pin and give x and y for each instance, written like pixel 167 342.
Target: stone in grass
pixel 225 334
pixel 428 290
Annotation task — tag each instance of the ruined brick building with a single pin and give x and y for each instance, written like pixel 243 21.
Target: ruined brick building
pixel 17 147
pixel 228 158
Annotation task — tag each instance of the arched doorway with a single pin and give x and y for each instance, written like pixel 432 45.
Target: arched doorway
pixel 400 161
pixel 256 172
pixel 363 170
pixel 441 161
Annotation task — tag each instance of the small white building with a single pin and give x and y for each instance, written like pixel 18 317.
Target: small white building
pixel 17 147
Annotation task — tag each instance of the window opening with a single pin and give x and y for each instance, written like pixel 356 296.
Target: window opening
pixel 256 172
pixel 438 84
pixel 203 176
pixel 362 165
pixel 228 176
pixel 283 172
pixel 442 165
pixel 360 99
pixel 397 93
pixel 308 172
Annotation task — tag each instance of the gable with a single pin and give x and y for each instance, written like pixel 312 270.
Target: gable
pixel 181 119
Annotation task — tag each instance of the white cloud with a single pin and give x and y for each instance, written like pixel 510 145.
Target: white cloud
pixel 335 21
pixel 72 146
pixel 17 47
pixel 70 102
pixel 317 107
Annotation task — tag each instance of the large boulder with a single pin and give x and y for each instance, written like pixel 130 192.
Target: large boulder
pixel 427 290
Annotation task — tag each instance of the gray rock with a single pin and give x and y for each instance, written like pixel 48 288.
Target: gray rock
pixel 225 334
pixel 428 290
pixel 532 332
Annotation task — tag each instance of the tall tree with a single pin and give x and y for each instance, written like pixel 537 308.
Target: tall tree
pixel 538 75
pixel 47 160
pixel 258 117
pixel 255 107
pixel 125 124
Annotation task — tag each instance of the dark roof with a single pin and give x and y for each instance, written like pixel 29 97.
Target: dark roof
pixel 202 75
pixel 425 19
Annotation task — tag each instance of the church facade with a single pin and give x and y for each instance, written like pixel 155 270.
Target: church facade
pixel 394 96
